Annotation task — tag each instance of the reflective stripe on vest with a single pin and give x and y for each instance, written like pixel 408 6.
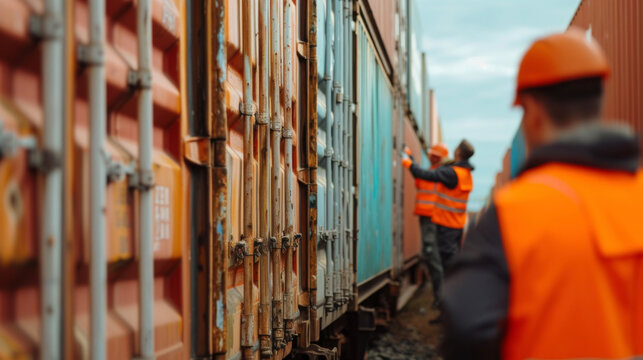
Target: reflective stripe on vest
pixel 573 240
pixel 447 197
pixel 451 204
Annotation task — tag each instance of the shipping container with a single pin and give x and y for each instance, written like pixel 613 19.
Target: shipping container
pixel 416 66
pixel 238 190
pixel 618 27
pixel 335 150
pixel 270 132
pixel 412 235
pixel 518 153
pixel 374 158
pixel 383 12
pixel 26 110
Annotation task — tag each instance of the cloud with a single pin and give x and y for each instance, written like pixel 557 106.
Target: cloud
pixel 482 129
pixel 473 49
pixel 490 55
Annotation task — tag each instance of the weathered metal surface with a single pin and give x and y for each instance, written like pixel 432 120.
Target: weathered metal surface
pixel 257 161
pixel 276 70
pixel 415 93
pixel 324 145
pixel 69 191
pixel 265 330
pixel 384 15
pixel 21 112
pixel 312 163
pixel 412 236
pixel 202 178
pixel 18 236
pixel 374 160
pixel 291 241
pixel 217 66
pixel 618 27
pixel 246 241
pixel 399 81
pixel 199 160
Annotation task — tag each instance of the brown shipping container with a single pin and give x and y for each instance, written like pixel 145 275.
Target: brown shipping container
pixel 618 26
pixel 21 111
pixel 412 236
pixel 234 97
pixel 384 15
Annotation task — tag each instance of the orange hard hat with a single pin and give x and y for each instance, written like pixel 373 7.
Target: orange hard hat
pixel 559 58
pixel 440 150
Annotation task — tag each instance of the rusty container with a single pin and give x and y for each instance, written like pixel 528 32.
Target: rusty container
pixel 169 194
pixel 21 109
pixel 412 235
pixel 383 12
pixel 234 150
pixel 617 25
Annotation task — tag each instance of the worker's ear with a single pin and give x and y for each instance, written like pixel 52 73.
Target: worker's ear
pixel 534 120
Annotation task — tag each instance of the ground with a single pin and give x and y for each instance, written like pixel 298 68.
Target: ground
pixel 409 335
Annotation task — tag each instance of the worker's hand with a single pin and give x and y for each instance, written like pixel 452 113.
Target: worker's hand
pixel 407 151
pixel 406 161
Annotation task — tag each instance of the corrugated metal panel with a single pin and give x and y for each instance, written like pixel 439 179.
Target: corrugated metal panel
pixel 324 183
pixel 375 155
pixel 21 110
pixel 415 93
pixel 234 92
pixel 412 235
pixel 384 14
pixel 618 26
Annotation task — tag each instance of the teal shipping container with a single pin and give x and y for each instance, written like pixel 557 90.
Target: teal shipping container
pixel 518 153
pixel 375 159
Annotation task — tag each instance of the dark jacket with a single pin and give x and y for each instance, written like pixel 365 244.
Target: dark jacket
pixel 443 174
pixel 475 296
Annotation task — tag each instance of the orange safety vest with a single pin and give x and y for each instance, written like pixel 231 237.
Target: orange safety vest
pixel 425 196
pixel 573 239
pixel 451 204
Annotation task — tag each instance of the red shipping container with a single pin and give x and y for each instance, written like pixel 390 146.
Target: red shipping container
pixel 384 15
pixel 412 235
pixel 618 26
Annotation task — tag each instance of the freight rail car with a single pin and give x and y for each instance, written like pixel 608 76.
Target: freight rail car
pixel 202 179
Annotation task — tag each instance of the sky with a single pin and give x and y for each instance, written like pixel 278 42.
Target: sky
pixel 474 49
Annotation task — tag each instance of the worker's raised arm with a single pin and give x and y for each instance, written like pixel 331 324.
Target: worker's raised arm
pixel 475 296
pixel 444 174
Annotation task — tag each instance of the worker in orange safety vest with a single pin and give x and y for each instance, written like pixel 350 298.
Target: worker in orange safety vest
pixel 425 200
pixel 554 267
pixel 454 183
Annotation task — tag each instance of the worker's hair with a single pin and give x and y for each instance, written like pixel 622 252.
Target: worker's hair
pixel 571 101
pixel 466 149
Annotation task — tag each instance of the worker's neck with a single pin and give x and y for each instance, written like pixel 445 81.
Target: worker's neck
pixel 552 132
pixel 562 130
